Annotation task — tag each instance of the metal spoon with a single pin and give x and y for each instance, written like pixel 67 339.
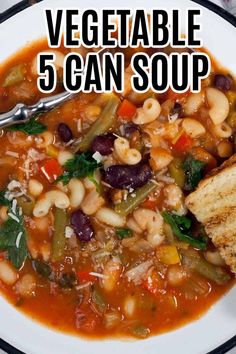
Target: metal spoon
pixel 22 113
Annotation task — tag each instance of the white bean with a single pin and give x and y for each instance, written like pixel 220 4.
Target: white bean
pixel 35 187
pixel 152 222
pixel 214 257
pixel 43 140
pixel 174 198
pixel 7 273
pixel 193 103
pixel 129 306
pixel 26 285
pixel 110 217
pixel 64 156
pixel 77 192
pixel 176 275
pixel 90 184
pixel 133 225
pixel 112 271
pixel 92 202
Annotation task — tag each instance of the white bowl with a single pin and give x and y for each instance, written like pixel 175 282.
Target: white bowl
pixel 218 325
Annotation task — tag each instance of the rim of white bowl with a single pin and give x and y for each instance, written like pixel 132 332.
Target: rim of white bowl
pixel 22 5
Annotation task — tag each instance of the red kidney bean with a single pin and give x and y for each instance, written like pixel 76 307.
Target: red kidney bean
pixel 129 129
pixel 81 225
pixel 103 144
pixel 223 82
pixel 64 132
pixel 125 176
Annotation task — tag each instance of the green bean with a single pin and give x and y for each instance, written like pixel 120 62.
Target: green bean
pixel 101 125
pixel 176 171
pixel 59 239
pixel 195 263
pixel 14 76
pixel 98 300
pixel 140 194
pixel 26 203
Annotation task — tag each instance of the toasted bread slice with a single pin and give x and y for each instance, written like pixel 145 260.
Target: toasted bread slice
pixel 214 205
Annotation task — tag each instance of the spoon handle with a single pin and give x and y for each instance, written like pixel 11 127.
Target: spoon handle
pixel 21 113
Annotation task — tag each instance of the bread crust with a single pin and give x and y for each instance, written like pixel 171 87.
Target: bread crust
pixel 214 205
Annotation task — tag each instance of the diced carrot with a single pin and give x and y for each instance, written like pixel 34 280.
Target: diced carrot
pixel 172 95
pixel 51 170
pixel 126 110
pixel 153 283
pixel 183 144
pixel 85 277
pixel 149 204
pixel 168 254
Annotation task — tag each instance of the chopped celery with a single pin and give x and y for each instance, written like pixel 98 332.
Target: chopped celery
pixel 194 262
pixel 26 203
pixel 98 300
pixel 176 171
pixel 101 125
pixel 59 240
pixel 15 75
pixel 134 199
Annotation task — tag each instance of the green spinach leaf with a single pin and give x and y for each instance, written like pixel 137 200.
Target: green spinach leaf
pixel 13 237
pixel 3 200
pixel 124 232
pixel 80 166
pixel 32 127
pixel 193 170
pixel 182 235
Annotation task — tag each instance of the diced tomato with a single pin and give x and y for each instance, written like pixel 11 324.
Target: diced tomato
pixel 183 144
pixel 149 204
pixel 51 170
pixel 126 110
pixel 85 277
pixel 172 95
pixel 153 283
